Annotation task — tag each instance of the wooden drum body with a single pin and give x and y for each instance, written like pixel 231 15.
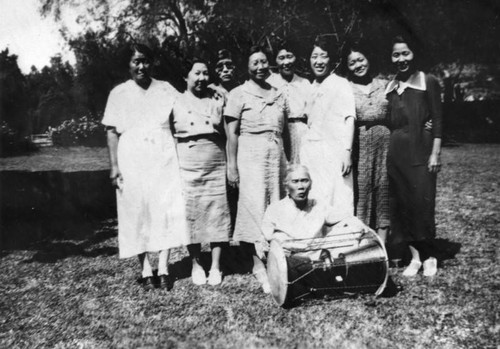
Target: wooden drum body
pixel 355 262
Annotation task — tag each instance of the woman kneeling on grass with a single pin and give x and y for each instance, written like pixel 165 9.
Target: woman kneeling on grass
pixel 144 167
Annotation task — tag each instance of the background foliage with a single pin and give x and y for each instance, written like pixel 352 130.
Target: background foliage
pixel 453 32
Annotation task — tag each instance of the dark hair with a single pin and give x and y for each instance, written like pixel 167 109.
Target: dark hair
pixel 287 46
pixel 323 43
pixel 190 62
pixel 363 47
pixel 223 54
pixel 257 48
pixel 413 44
pixel 128 52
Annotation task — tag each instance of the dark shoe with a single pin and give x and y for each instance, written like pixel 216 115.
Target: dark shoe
pixel 148 284
pixel 166 282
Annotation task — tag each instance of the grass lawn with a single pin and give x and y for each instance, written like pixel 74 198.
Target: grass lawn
pixel 78 294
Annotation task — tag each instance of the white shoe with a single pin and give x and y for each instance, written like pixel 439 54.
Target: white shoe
pixel 214 277
pixel 261 276
pixel 413 268
pixel 430 266
pixel 198 276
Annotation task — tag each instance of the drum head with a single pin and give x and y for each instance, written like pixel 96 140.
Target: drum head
pixel 277 272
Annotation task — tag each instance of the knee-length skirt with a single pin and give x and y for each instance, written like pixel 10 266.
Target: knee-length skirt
pixel 203 172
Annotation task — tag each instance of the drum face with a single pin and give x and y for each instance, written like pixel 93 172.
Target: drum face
pixel 277 273
pixel 360 267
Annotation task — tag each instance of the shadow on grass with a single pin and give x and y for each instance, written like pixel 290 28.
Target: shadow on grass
pixel 50 251
pixel 232 261
pixel 445 249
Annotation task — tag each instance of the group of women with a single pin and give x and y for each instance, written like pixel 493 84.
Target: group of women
pixel 174 157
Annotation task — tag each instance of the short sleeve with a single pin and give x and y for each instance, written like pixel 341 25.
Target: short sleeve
pixel 345 99
pixel 234 104
pixel 111 112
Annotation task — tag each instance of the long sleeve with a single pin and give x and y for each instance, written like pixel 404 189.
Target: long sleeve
pixel 435 107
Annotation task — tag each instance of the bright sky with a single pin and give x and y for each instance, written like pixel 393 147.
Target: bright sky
pixel 32 38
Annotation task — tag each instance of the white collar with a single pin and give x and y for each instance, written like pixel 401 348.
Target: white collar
pixel 416 81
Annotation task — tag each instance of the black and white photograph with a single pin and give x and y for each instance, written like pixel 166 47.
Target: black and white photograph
pixel 250 174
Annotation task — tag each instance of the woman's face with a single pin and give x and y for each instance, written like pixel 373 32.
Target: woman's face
pixel 320 62
pixel 358 64
pixel 402 57
pixel 140 68
pixel 258 66
pixel 197 78
pixel 286 62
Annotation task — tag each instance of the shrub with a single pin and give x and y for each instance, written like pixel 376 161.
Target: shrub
pixel 86 131
pixel 12 143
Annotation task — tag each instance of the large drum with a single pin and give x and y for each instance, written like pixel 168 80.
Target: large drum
pixel 341 264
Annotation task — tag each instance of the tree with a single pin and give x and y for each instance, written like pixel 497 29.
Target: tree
pixel 13 108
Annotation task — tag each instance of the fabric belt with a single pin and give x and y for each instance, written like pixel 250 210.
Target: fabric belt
pixel 303 120
pixel 270 135
pixel 212 137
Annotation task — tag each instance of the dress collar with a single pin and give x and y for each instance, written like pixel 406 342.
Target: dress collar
pixel 416 81
pixel 252 89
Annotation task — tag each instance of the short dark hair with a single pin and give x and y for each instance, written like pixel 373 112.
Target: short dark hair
pixel 362 46
pixel 257 48
pixel 128 52
pixel 287 46
pixel 413 44
pixel 325 44
pixel 190 62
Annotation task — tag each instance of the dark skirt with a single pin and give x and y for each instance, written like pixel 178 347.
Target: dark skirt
pixel 412 191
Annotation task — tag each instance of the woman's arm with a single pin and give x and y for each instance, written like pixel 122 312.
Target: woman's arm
pixel 347 152
pixel 434 164
pixel 232 127
pixel 436 113
pixel 287 142
pixel 115 174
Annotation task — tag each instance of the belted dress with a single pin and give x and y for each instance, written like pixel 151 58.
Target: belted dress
pixel 261 159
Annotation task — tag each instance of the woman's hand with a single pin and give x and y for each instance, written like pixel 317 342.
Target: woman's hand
pixel 434 164
pixel 346 162
pixel 233 177
pixel 428 126
pixel 116 178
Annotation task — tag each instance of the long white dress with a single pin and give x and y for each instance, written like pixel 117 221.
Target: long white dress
pixel 324 144
pixel 151 207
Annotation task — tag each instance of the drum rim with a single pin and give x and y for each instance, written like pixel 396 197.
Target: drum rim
pixel 277 254
pixel 386 264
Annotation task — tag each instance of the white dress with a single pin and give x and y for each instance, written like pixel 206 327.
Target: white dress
pixel 297 93
pixel 324 144
pixel 151 207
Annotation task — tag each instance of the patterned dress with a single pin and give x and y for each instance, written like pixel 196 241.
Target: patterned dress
pixel 200 146
pixel 370 151
pixel 412 188
pixel 151 207
pixel 260 159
